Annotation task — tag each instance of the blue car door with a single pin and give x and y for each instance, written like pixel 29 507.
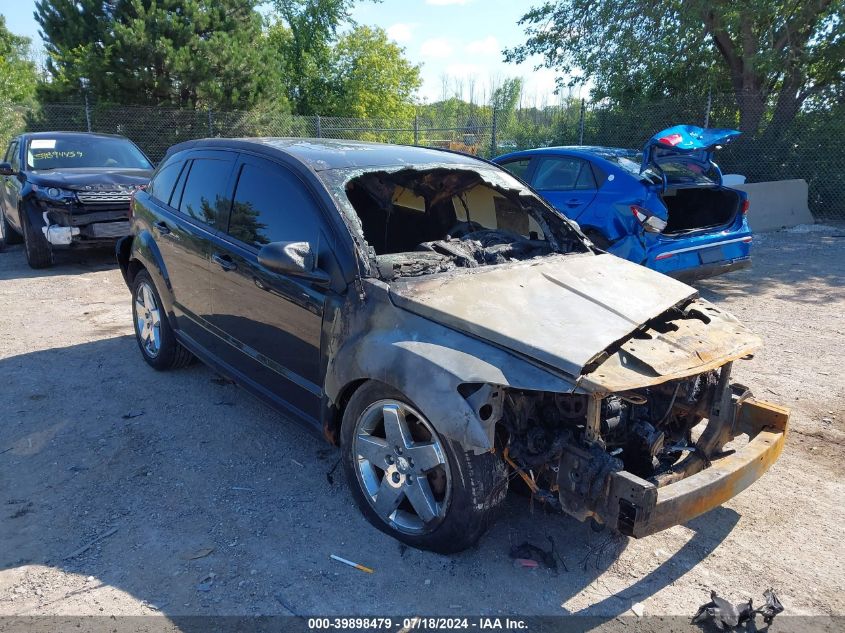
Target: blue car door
pixel 568 183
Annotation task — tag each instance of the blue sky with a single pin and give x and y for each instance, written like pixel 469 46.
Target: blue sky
pixel 459 39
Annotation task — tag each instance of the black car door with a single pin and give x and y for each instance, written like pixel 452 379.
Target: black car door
pixel 184 226
pixel 269 324
pixel 12 185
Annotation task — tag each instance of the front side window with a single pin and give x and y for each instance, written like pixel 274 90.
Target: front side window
pixel 518 168
pixel 272 205
pixel 83 151
pixel 161 186
pixel 206 195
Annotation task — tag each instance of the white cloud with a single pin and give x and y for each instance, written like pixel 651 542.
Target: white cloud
pixel 443 3
pixel 464 70
pixel 401 32
pixel 487 46
pixel 437 48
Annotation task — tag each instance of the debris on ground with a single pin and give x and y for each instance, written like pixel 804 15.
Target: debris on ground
pixel 528 553
pixel 206 583
pixel 771 608
pixel 200 553
pixel 726 615
pixel 330 474
pixel 130 415
pixel 351 564
pixel 527 563
pixel 638 608
pixel 90 544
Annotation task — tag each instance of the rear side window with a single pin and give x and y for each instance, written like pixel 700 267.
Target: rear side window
pixel 557 174
pixel 206 195
pixel 161 186
pixel 518 168
pixel 272 205
pixel 586 179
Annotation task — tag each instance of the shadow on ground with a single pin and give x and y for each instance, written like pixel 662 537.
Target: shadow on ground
pixel 69 262
pixel 796 264
pixel 179 490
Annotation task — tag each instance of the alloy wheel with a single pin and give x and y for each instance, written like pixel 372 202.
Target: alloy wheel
pixel 402 467
pixel 147 320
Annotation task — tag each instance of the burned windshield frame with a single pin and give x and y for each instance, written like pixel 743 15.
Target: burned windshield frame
pixel 561 234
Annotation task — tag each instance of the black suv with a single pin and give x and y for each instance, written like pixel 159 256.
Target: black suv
pixel 68 189
pixel 429 313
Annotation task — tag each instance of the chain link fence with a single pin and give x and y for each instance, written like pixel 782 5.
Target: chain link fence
pixel 804 150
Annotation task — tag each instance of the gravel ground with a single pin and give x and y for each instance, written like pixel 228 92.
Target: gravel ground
pixel 204 501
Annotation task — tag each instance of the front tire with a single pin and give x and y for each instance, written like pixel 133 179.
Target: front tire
pixel 9 235
pixel 411 483
pixel 39 253
pixel 153 333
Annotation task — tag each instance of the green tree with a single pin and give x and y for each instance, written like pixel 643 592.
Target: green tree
pixel 17 71
pixel 774 55
pixel 303 41
pixel 186 53
pixel 372 77
pixel 505 99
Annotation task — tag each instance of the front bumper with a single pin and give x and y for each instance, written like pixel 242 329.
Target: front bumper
pixel 636 507
pixel 67 229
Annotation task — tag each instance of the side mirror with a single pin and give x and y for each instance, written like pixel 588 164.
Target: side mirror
pixel 6 169
pixel 292 258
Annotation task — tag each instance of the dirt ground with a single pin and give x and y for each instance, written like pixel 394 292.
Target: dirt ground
pixel 204 501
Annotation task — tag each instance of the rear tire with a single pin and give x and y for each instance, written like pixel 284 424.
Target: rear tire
pixel 153 333
pixel 39 253
pixel 597 238
pixel 464 490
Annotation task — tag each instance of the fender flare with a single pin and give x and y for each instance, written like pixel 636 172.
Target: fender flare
pixel 146 252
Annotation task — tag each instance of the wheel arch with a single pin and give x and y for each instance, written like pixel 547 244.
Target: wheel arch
pixel 144 254
pixel 431 365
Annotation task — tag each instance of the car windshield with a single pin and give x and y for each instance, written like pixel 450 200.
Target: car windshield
pixel 677 172
pixel 427 219
pixel 79 152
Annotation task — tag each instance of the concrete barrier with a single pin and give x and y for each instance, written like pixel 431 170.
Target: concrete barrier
pixel 774 205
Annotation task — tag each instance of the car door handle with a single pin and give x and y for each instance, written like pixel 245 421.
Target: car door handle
pixel 224 261
pixel 161 228
pixel 573 202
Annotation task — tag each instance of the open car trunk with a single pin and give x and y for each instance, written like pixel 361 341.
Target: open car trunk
pixel 696 208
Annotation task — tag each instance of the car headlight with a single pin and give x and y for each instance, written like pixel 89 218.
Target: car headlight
pixel 54 194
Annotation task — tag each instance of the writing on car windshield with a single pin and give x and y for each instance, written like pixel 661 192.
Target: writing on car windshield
pixel 79 152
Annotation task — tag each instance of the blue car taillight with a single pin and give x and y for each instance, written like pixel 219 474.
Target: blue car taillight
pixel 650 222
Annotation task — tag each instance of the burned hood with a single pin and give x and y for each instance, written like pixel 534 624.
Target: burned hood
pixel 563 311
pixel 90 179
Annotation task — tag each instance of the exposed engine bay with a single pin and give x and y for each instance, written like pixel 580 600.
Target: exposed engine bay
pixel 644 432
pixel 419 222
pixel 605 458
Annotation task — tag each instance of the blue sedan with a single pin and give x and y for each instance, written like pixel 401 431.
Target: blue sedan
pixel 664 207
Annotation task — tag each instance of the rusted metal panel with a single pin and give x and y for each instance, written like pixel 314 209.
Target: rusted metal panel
pixel 725 478
pixel 680 347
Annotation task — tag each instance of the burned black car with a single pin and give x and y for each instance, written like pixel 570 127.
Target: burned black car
pixel 433 317
pixel 68 190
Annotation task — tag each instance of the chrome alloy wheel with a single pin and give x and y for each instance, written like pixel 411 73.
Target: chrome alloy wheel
pixel 402 467
pixel 147 320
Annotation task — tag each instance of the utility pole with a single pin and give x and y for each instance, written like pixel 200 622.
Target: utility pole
pixel 84 83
